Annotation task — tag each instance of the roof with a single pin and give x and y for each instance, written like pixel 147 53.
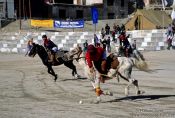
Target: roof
pixel 157 17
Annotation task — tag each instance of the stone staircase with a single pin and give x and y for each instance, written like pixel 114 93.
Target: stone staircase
pixel 15 42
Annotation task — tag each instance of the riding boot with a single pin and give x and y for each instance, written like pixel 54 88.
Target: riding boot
pixel 98 91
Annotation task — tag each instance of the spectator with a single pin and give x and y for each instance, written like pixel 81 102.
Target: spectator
pixel 113 36
pixel 118 29
pixel 108 44
pixel 115 28
pixel 122 28
pixel 96 40
pixel 169 41
pixel 103 33
pixel 134 45
pixel 107 29
pixel 29 45
pixel 85 45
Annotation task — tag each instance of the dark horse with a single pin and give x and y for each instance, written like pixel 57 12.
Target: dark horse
pixel 40 50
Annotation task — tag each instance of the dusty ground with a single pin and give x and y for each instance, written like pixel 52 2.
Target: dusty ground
pixel 28 91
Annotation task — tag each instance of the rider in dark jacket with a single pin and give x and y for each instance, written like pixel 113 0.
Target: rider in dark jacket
pixel 49 45
pixel 125 44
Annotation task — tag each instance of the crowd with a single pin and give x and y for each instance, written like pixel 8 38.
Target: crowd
pixel 108 36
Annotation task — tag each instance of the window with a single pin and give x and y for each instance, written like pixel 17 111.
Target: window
pixel 110 2
pixel 1 7
pixel 64 1
pixel 122 3
pixel 62 13
pixel 79 14
pixel 111 16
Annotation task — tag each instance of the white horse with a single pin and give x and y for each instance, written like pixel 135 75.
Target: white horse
pixel 122 70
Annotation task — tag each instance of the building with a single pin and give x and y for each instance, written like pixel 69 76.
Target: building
pixel 108 9
pixel 115 9
pixel 6 11
pixel 63 9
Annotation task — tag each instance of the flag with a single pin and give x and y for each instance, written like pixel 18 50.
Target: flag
pixel 173 14
pixel 94 13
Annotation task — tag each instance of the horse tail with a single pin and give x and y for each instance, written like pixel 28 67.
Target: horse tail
pixel 141 65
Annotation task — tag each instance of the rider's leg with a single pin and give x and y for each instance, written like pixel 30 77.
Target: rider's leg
pixel 126 52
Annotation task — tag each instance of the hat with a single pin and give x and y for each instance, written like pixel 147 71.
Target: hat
pixel 44 36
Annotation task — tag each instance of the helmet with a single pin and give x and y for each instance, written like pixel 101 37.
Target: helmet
pixel 44 36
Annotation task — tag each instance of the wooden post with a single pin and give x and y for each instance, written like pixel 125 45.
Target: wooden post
pixel 20 15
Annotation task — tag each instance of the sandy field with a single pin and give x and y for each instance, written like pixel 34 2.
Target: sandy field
pixel 28 91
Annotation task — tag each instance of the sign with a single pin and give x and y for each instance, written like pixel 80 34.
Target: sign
pixel 69 24
pixel 42 23
pixel 94 13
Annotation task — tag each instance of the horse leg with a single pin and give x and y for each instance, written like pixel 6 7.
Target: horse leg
pixel 51 71
pixel 73 67
pixel 135 83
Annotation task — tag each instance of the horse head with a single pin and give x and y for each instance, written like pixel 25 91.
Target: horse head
pixel 33 50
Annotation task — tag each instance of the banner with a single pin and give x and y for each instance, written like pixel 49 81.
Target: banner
pixel 94 13
pixel 69 24
pixel 42 23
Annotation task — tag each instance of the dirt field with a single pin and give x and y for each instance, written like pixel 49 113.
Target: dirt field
pixel 28 91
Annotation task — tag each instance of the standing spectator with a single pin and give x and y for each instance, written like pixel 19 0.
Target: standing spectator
pixel 134 45
pixel 118 29
pixel 29 45
pixel 104 43
pixel 107 29
pixel 169 30
pixel 85 45
pixel 96 40
pixel 115 28
pixel 108 44
pixel 169 41
pixel 122 28
pixel 103 33
pixel 113 36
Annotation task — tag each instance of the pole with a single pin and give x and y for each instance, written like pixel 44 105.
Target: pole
pixel 30 13
pixel 163 5
pixel 95 27
pixel 20 15
pixel 23 9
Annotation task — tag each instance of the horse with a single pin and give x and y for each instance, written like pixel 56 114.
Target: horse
pixel 41 51
pixel 118 67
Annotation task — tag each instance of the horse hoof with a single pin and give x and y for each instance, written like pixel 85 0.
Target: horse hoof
pixel 109 93
pixel 98 99
pixel 55 78
pixel 140 92
pixel 76 76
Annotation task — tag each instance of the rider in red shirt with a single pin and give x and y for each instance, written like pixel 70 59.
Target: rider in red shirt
pixel 96 56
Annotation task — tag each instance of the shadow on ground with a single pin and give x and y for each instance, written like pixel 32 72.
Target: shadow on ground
pixel 142 97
